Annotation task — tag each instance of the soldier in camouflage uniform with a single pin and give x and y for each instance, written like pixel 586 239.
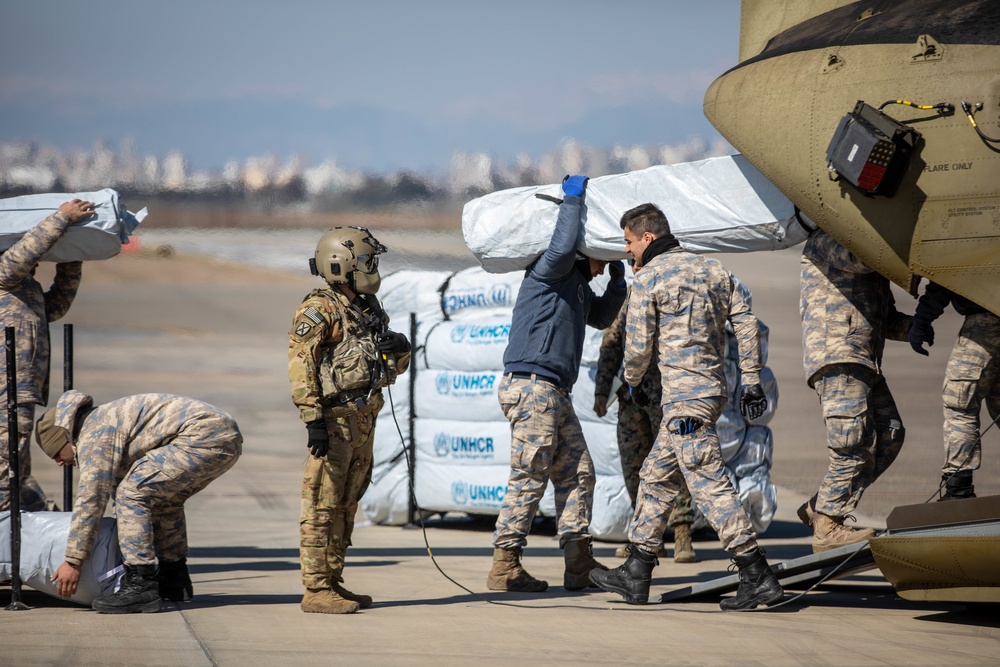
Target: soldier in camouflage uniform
pixel 340 355
pixel 541 363
pixel 972 376
pixel 848 311
pixel 24 306
pixel 639 415
pixel 150 452
pixel 678 309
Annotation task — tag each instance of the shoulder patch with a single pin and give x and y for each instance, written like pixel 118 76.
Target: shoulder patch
pixel 313 315
pixel 302 329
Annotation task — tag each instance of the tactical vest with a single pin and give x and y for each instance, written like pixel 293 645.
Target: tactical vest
pixel 354 367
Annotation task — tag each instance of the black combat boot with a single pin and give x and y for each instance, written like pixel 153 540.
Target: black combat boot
pixel 175 581
pixel 758 585
pixel 138 593
pixel 958 485
pixel 631 579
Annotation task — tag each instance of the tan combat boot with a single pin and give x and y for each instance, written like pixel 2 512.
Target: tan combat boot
pixel 364 601
pixel 508 575
pixel 579 556
pixel 325 601
pixel 683 549
pixel 807 510
pixel 829 532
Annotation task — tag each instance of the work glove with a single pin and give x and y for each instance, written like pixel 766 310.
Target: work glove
pixel 616 272
pixel 574 186
pixel 921 332
pixel 319 441
pixel 638 396
pixel 391 342
pixel 753 402
pixel 600 405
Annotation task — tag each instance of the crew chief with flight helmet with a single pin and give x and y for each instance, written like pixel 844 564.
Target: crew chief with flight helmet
pixel 340 355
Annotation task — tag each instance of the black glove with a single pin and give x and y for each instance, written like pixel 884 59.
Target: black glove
pixel 616 272
pixel 753 402
pixel 921 332
pixel 319 441
pixel 638 396
pixel 392 342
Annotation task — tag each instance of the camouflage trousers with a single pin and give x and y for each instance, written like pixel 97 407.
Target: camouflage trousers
pixel 331 490
pixel 637 429
pixel 149 502
pixel 546 443
pixel 864 434
pixel 694 458
pixel 972 376
pixel 32 497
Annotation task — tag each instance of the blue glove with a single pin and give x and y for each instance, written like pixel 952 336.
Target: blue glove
pixel 574 186
pixel 616 272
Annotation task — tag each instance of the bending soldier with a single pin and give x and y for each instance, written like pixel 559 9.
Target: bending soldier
pixel 848 311
pixel 24 305
pixel 340 355
pixel 554 306
pixel 150 452
pixel 678 308
pixel 972 376
pixel 639 415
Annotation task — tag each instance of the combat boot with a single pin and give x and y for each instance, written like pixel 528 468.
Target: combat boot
pixel 508 575
pixel 364 601
pixel 807 510
pixel 683 549
pixel 579 556
pixel 758 585
pixel 175 581
pixel 958 485
pixel 631 579
pixel 829 532
pixel 138 593
pixel 326 601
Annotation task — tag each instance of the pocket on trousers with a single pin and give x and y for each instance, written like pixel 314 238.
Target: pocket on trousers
pixel 959 394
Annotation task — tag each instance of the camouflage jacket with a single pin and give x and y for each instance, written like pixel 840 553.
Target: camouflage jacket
pixel 24 306
pixel 115 435
pixel 609 362
pixel 847 309
pixel 679 307
pixel 324 323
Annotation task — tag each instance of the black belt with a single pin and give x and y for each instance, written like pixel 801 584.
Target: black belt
pixel 535 376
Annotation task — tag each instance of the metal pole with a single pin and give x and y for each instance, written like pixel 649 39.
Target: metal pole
pixel 14 476
pixel 412 498
pixel 67 385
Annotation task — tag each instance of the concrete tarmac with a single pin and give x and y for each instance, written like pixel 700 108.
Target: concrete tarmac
pixel 218 332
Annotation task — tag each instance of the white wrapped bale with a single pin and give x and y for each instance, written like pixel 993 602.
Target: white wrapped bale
pixel 43 550
pixel 474 294
pixel 722 204
pixel 99 237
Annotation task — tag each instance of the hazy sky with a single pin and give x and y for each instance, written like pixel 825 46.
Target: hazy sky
pixel 374 84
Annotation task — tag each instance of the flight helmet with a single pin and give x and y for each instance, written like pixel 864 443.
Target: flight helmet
pixel 349 255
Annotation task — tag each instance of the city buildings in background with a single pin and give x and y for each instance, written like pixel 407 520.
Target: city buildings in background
pixel 268 181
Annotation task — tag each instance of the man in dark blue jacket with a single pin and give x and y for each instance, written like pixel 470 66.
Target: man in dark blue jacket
pixel 541 363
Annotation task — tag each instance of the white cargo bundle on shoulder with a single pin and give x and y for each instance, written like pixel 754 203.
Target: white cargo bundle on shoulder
pixel 721 204
pixel 98 237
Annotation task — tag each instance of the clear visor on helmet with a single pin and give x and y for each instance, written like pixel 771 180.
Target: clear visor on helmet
pixel 368 262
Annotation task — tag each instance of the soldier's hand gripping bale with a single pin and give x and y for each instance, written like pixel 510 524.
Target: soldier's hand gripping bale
pixel 25 306
pixel 541 363
pixel 682 302
pixel 150 452
pixel 340 355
